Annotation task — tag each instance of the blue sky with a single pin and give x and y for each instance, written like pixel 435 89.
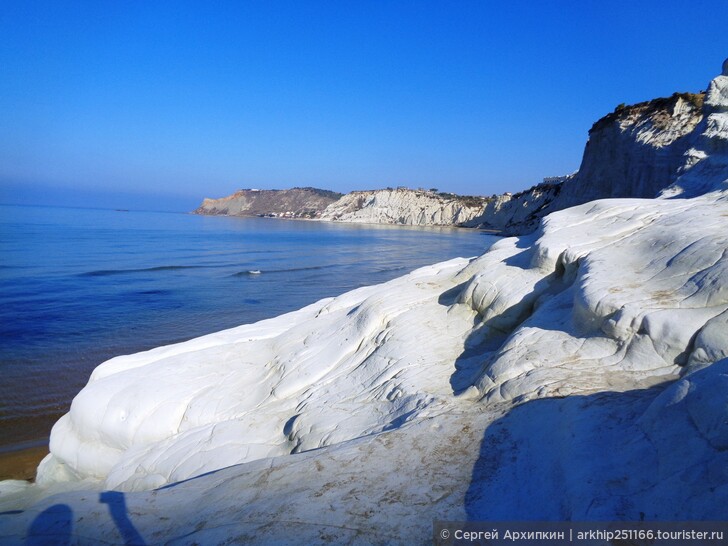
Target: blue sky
pixel 155 105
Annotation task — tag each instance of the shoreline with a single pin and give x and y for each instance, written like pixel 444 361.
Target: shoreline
pixel 487 231
pixel 21 464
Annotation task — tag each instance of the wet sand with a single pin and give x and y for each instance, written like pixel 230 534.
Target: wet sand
pixel 21 465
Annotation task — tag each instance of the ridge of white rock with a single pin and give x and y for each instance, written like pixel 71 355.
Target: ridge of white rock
pixel 705 162
pixel 404 207
pixel 333 371
pixel 579 372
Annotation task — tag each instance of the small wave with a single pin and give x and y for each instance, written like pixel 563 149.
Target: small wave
pixel 107 272
pixel 247 273
pixel 290 270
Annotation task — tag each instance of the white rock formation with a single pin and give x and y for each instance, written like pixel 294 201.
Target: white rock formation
pixel 636 151
pixel 580 372
pixel 705 163
pixel 339 369
pixel 520 212
pixel 405 207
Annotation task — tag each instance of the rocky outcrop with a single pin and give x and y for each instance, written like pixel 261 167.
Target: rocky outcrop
pixel 636 151
pixel 705 163
pixel 293 203
pixel 519 212
pixel 406 207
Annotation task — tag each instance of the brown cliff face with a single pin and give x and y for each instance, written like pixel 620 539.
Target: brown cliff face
pixel 293 203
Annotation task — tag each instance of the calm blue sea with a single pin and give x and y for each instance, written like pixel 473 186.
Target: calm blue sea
pixel 79 286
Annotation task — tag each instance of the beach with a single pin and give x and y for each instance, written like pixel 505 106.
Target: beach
pixel 21 464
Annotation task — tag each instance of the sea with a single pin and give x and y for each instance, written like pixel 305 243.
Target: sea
pixel 79 286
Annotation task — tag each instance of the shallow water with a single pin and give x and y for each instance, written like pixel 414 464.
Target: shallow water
pixel 79 286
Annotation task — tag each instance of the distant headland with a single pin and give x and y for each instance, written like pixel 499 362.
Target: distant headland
pixel 634 151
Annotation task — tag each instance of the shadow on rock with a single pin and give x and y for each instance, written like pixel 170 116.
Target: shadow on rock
pixel 52 527
pixel 622 456
pixel 118 511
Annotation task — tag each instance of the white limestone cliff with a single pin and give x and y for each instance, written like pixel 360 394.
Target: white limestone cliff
pixel 636 151
pixel 705 163
pixel 404 207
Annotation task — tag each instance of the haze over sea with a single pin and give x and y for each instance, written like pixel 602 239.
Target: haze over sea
pixel 79 286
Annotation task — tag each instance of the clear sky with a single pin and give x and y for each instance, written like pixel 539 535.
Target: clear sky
pixel 155 105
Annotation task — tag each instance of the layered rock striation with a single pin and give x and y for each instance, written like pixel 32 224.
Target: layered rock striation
pixel 404 207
